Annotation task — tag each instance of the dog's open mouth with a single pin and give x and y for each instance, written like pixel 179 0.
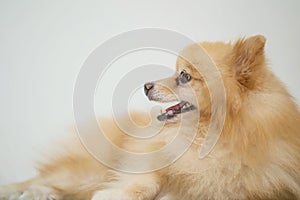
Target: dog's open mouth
pixel 173 111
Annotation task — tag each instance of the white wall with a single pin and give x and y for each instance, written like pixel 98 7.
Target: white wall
pixel 44 43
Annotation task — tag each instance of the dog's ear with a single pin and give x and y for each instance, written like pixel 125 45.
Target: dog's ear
pixel 248 59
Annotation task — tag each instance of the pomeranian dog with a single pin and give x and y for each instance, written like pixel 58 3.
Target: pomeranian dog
pixel 257 155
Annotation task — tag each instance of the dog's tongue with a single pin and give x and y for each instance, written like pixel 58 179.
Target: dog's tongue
pixel 172 111
pixel 176 109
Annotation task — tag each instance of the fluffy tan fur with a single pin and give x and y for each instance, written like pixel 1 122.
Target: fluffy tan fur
pixel 256 157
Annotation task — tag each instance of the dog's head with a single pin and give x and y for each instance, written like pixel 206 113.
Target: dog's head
pixel 239 64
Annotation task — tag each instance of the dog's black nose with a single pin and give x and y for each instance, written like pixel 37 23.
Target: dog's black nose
pixel 148 87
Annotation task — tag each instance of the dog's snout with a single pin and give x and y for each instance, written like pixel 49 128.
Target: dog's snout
pixel 148 87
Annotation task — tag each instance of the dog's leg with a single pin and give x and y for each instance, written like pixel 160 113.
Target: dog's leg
pixel 130 187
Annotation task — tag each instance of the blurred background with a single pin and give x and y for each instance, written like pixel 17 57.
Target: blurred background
pixel 43 45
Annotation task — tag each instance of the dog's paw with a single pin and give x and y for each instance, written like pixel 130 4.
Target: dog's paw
pixel 111 194
pixel 9 193
pixel 37 193
pixel 32 193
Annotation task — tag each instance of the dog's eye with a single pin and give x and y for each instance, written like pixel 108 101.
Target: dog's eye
pixel 185 77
